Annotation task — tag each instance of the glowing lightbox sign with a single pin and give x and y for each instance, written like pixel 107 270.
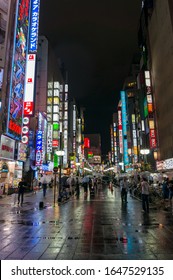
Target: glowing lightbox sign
pixel 29 85
pixel 120 131
pixel 34 26
pixel 17 79
pixel 124 126
pixel 39 142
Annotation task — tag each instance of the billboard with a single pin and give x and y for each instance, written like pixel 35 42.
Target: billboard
pixel 124 126
pixel 34 26
pixel 17 79
pixel 29 85
pixel 152 132
pixel 7 148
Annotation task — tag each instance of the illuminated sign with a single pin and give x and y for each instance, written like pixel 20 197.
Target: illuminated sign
pixel 86 142
pixel 22 151
pixel 134 136
pixel 120 131
pixel 49 139
pixel 17 80
pixel 29 85
pixel 124 126
pixel 34 26
pixel 152 138
pixel 7 147
pixel 39 143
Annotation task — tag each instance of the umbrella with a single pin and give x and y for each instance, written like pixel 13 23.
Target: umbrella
pixel 63 180
pixel 85 179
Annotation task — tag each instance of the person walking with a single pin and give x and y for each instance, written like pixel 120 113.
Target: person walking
pixel 44 184
pixel 145 195
pixel 170 186
pixel 77 188
pixel 165 189
pixel 21 189
pixel 124 189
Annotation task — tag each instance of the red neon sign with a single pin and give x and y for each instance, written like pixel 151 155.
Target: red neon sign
pixel 14 127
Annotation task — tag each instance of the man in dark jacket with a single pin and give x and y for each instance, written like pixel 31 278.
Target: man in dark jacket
pixel 21 190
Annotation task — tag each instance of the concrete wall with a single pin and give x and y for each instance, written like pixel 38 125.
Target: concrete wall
pixel 161 44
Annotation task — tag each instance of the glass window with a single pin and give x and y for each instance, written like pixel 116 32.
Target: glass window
pixel 56 100
pixel 50 85
pixel 56 84
pixel 65 124
pixel 60 96
pixel 49 109
pixel 60 114
pixel 49 93
pixel 65 116
pixel 55 134
pixel 49 117
pixel 56 109
pixel 56 92
pixel 55 117
pixel 49 100
pixel 66 105
pixel 66 96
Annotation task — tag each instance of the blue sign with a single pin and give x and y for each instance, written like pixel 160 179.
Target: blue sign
pixel 34 26
pixel 124 126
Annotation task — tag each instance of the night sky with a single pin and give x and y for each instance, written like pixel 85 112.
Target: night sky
pixel 96 40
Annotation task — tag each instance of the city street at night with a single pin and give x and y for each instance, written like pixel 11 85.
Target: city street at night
pixel 100 228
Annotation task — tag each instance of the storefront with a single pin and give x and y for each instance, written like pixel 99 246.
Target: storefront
pixel 7 149
pixel 11 167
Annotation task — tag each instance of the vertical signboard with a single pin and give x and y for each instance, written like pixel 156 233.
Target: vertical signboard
pixel 29 85
pixel 17 80
pixel 134 136
pixel 34 26
pixel 120 132
pixel 65 124
pixel 124 126
pixel 152 130
pixel 115 142
pixel 39 143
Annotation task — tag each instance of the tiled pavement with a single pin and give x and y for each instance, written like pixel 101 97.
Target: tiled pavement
pixel 95 229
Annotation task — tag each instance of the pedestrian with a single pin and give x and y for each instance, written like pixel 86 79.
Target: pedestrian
pixel 170 186
pixel 21 189
pixel 35 184
pixel 95 183
pixel 145 195
pixel 90 183
pixel 44 184
pixel 77 189
pixel 165 189
pixel 124 189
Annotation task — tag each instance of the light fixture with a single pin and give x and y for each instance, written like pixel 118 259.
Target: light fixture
pixel 144 151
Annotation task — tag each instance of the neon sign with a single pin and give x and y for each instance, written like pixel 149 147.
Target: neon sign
pixel 34 26
pixel 124 126
pixel 17 80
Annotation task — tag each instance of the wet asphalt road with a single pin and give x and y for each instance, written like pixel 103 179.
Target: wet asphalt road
pixel 86 229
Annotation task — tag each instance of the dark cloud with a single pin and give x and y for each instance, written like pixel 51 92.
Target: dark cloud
pixel 96 41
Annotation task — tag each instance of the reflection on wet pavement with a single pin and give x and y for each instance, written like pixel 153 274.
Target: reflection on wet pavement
pixel 97 228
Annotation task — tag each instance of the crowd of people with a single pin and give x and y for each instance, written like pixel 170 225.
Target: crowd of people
pixel 144 187
pixel 72 185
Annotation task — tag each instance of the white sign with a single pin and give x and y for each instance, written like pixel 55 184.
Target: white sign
pixel 7 147
pixel 29 85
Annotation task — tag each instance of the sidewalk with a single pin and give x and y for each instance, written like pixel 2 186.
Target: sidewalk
pixel 31 200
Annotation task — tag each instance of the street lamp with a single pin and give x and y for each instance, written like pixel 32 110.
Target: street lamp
pixel 145 152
